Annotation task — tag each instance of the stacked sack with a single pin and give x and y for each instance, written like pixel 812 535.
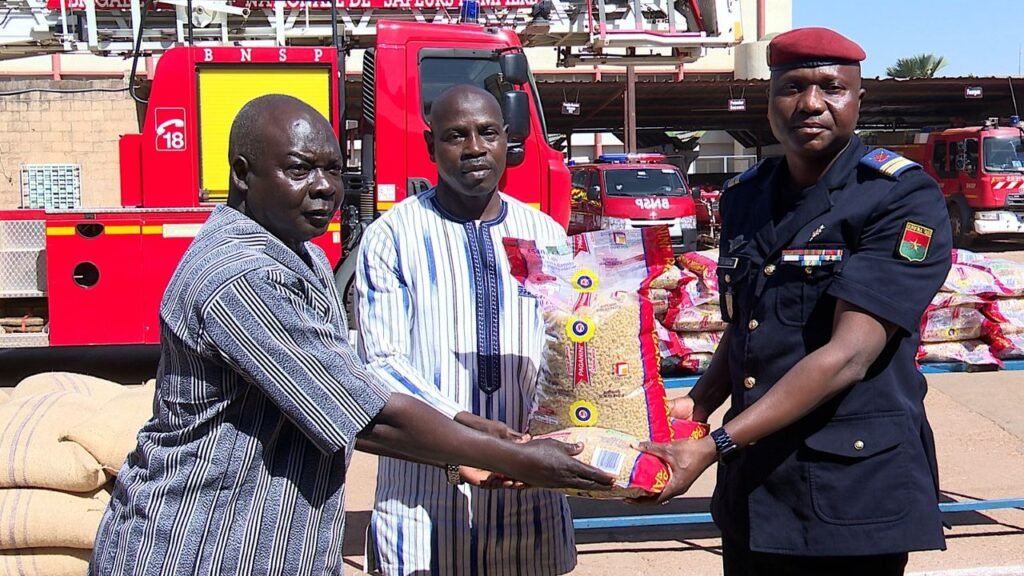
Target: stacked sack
pixel 692 325
pixel 63 437
pixel 953 325
pixel 1004 306
pixel 600 382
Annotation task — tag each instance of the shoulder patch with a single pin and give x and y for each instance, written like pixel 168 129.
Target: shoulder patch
pixel 887 162
pixel 743 176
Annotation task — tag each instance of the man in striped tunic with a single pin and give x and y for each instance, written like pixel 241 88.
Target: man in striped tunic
pixel 441 318
pixel 259 396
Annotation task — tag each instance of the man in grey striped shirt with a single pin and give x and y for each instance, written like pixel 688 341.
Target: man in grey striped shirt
pixel 442 318
pixel 259 396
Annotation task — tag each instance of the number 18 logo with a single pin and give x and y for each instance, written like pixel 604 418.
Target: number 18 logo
pixel 170 129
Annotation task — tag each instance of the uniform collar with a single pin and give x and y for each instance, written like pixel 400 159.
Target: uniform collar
pixel 814 200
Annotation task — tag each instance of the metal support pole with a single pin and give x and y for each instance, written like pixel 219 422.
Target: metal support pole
pixel 630 108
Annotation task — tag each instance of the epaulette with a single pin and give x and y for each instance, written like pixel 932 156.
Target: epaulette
pixel 888 162
pixel 743 176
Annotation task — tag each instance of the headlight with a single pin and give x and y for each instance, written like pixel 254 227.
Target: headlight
pixel 688 222
pixel 616 224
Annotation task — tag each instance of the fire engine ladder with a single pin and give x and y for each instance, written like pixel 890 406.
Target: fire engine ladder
pixel 585 31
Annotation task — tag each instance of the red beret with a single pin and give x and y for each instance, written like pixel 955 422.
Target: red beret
pixel 810 48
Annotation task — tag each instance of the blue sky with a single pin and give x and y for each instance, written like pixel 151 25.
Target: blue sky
pixel 977 37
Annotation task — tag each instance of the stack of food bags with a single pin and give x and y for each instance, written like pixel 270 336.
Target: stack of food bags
pixel 1004 308
pixel 693 323
pixel 599 379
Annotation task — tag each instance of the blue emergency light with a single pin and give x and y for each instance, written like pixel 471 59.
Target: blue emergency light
pixel 632 158
pixel 469 12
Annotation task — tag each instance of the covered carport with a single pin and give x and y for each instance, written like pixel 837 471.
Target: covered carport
pixel 665 103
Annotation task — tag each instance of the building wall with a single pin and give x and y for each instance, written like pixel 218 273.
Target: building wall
pixel 82 128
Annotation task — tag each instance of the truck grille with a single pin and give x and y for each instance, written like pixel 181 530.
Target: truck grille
pixel 1015 201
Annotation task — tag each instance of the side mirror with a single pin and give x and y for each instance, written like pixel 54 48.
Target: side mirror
pixel 515 107
pixel 514 154
pixel 514 67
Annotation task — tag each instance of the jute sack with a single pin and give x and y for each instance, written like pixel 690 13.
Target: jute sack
pixel 37 518
pixel 110 433
pixel 44 562
pixel 5 395
pixel 47 382
pixel 32 451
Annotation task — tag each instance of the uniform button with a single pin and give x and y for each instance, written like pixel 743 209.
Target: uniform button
pixel 858 445
pixel 752 325
pixel 769 270
pixel 749 382
pixel 808 270
pixel 728 278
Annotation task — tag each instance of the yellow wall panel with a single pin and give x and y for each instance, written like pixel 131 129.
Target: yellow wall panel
pixel 223 92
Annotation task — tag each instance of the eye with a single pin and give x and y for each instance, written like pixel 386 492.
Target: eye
pixel 298 170
pixel 834 88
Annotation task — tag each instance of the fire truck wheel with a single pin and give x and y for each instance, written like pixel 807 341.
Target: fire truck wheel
pixel 960 218
pixel 345 284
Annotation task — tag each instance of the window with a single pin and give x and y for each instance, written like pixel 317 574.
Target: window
pixel 580 185
pixel 971 166
pixel 438 73
pixel 644 182
pixel 940 159
pixel 1003 153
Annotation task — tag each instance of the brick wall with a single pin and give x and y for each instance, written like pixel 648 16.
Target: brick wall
pixel 77 128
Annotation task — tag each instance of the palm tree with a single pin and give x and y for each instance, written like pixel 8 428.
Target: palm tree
pixel 920 66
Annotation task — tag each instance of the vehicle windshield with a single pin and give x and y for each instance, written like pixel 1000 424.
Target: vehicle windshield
pixel 440 73
pixel 1004 154
pixel 644 182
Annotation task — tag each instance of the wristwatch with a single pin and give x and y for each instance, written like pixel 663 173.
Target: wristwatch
pixel 727 449
pixel 452 471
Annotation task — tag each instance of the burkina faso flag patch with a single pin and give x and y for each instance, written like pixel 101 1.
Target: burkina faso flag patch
pixel 914 242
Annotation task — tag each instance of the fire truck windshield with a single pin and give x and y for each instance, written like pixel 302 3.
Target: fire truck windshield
pixel 1003 153
pixel 644 182
pixel 437 73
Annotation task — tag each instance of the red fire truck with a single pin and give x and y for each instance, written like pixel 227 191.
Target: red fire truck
pixel 981 172
pixel 95 276
pixel 632 191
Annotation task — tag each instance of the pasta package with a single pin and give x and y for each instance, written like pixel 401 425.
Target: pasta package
pixel 952 324
pixel 636 473
pixel 974 352
pixel 601 360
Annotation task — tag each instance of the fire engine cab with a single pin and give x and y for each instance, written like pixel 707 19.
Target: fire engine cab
pixel 980 170
pixel 95 275
pixel 622 191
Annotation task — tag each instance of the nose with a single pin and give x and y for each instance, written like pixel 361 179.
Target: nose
pixel 323 184
pixel 812 101
pixel 474 146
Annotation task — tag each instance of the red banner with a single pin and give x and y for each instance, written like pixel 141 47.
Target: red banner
pixel 79 5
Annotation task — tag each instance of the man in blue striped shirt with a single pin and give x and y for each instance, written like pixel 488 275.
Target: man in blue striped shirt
pixel 260 397
pixel 441 318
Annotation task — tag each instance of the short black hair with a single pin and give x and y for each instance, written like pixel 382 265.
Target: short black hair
pixel 456 93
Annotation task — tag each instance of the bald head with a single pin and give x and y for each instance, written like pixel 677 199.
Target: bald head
pixel 267 116
pixel 286 168
pixel 456 98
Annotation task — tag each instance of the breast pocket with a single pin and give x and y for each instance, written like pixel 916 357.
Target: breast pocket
pixel 800 290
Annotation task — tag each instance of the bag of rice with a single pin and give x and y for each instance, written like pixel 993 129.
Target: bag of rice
pixel 1006 346
pixel 974 352
pixel 601 362
pixel 1008 313
pixel 952 324
pixel 703 318
pixel 637 474
pixel 968 279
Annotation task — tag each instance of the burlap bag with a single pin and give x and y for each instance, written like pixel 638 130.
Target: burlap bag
pixel 5 395
pixel 47 382
pixel 33 452
pixel 44 562
pixel 37 518
pixel 110 433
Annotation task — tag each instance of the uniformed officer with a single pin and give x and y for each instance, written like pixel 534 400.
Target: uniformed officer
pixel 829 257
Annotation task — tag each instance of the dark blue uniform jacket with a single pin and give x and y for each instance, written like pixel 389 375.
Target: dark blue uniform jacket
pixel 857 476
